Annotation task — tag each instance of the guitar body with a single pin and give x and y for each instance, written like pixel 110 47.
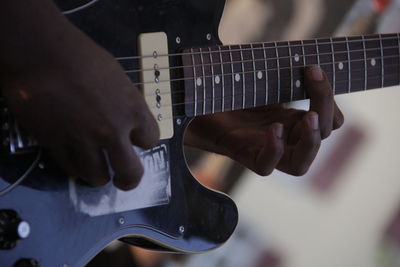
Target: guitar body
pixel 69 223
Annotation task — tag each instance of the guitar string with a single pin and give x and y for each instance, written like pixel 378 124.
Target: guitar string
pixel 10 187
pixel 313 44
pixel 264 70
pixel 260 59
pixel 338 81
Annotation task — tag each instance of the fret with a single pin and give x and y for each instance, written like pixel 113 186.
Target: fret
pixel 243 78
pixel 212 81
pixel 365 64
pixel 233 78
pixel 297 70
pixel 382 62
pixel 254 76
pixel 372 50
pixel 259 74
pixel 222 80
pixel 217 79
pixel 228 82
pixel 324 51
pixel 305 64
pixel 248 75
pixel 291 72
pixel 204 81
pixel 349 65
pixel 357 70
pixel 272 72
pixel 279 72
pixel 333 67
pixel 195 83
pixel 316 47
pixel 266 74
pixel 390 60
pixel 398 43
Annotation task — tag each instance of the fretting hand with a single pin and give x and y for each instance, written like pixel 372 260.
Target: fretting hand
pixel 272 137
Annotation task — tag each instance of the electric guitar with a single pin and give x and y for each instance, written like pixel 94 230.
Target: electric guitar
pixel 171 50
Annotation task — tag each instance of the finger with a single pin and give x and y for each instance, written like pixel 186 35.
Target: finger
pixel 126 165
pixel 305 151
pixel 338 118
pixel 263 161
pixel 321 98
pixel 270 155
pixel 91 165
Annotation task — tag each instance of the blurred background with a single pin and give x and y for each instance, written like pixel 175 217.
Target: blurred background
pixel 345 212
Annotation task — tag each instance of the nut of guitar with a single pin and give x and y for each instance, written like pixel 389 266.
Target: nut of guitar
pixel 155 79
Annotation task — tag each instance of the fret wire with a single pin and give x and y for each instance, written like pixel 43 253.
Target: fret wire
pixel 304 63
pixel 365 64
pixel 291 72
pixel 333 67
pixel 195 85
pixel 279 72
pixel 254 76
pixel 398 42
pixel 382 67
pixel 243 78
pixel 233 78
pixel 204 82
pixel 222 79
pixel 266 75
pixel 212 81
pixel 349 63
pixel 317 49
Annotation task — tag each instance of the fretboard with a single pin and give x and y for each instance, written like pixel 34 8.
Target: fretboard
pixel 226 78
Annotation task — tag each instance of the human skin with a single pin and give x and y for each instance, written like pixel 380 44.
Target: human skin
pixel 76 100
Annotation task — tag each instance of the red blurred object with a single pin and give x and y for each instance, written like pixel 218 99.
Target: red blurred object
pixel 381 5
pixel 328 173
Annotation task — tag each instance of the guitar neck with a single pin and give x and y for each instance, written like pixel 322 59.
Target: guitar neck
pixel 233 77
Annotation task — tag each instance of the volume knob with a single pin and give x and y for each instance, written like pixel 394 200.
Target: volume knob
pixel 12 229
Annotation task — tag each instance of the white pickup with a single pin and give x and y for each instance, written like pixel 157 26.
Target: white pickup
pixel 155 79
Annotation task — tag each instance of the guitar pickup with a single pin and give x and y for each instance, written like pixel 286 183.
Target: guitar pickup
pixel 155 79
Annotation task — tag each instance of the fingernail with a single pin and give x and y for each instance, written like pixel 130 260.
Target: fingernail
pixel 279 131
pixel 313 121
pixel 316 73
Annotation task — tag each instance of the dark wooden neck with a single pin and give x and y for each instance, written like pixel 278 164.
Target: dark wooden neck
pixel 226 78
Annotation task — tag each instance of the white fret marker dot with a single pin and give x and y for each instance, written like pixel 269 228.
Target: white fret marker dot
pixel 297 58
pixel 298 83
pixel 217 79
pixel 259 75
pixel 373 62
pixel 340 66
pixel 237 77
pixel 199 82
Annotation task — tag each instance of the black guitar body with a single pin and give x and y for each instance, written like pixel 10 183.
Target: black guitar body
pixel 67 224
